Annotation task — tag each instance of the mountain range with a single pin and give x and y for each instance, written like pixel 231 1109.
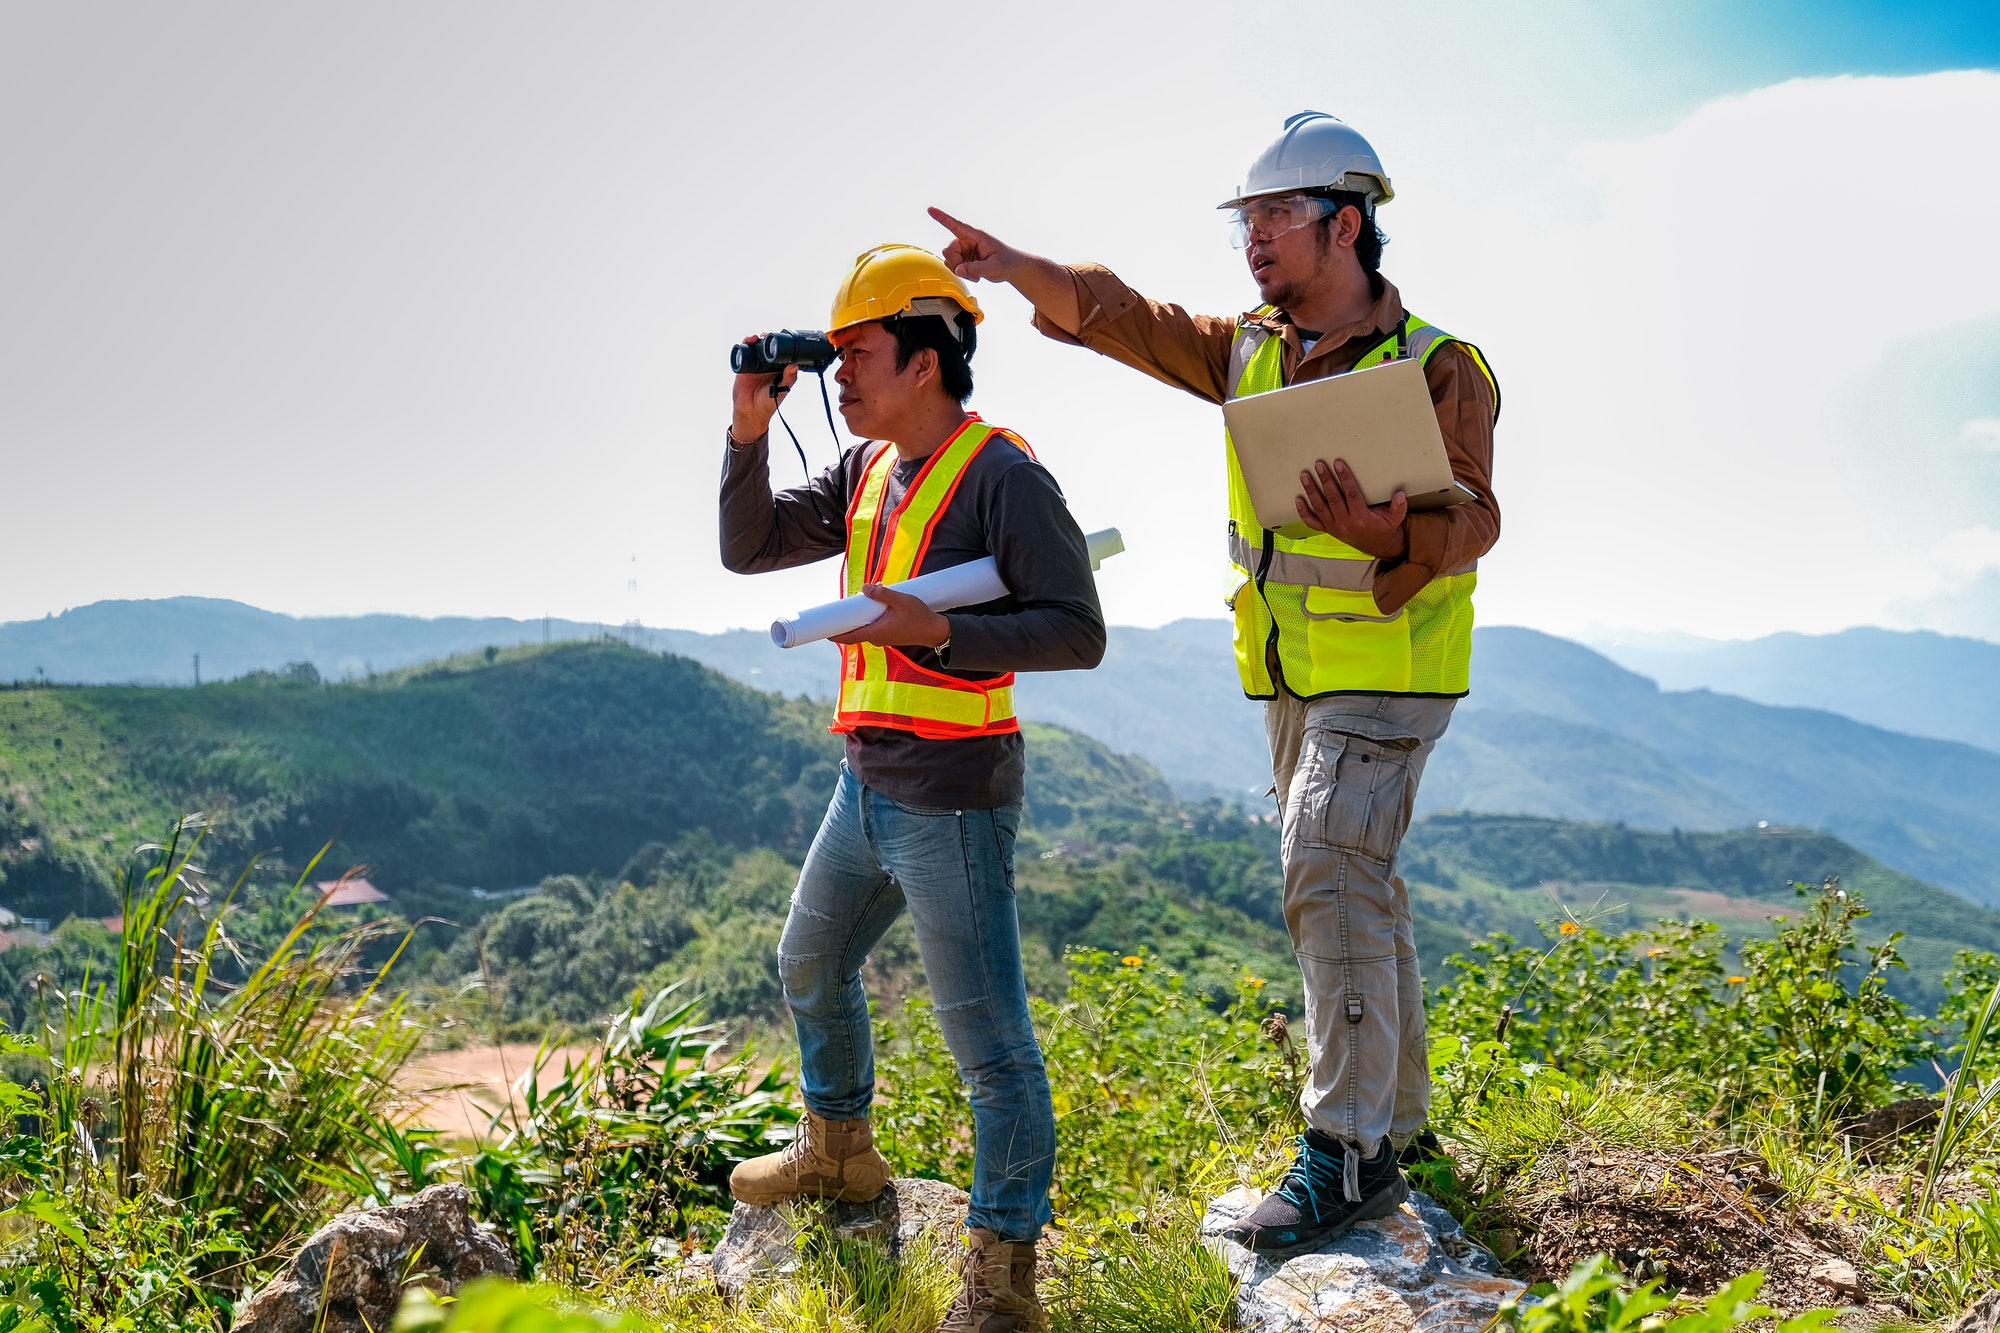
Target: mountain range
pixel 1924 683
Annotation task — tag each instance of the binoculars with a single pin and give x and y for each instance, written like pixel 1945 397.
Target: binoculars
pixel 806 349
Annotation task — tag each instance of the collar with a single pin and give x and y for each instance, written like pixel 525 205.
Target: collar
pixel 970 419
pixel 1382 318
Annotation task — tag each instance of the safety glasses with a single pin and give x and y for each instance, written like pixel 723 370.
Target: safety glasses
pixel 1268 218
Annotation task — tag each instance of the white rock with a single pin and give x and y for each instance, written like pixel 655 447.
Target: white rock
pixel 1413 1270
pixel 764 1242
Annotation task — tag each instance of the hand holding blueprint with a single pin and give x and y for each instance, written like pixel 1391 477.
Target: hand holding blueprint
pixel 961 585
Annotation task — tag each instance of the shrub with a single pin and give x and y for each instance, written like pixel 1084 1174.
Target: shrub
pixel 1596 1298
pixel 1803 1029
pixel 634 1141
pixel 93 1260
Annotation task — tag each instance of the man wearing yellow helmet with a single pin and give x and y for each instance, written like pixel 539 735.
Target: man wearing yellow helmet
pixel 1354 624
pixel 929 797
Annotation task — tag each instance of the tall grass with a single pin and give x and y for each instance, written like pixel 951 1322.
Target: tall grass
pixel 1142 1274
pixel 1964 1100
pixel 237 1083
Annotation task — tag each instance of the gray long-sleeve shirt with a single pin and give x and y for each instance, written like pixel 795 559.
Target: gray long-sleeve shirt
pixel 1007 506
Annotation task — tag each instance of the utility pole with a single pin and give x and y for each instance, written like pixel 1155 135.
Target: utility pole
pixel 197 670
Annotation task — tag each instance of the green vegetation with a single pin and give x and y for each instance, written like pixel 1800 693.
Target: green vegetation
pixel 192 1112
pixel 1150 1084
pixel 251 1040
pixel 1802 1024
pixel 1591 1046
pixel 1591 1299
pixel 492 771
pixel 602 766
pixel 635 1140
pixel 1500 872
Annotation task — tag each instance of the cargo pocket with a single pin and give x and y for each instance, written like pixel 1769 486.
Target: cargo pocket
pixel 1354 606
pixel 1354 788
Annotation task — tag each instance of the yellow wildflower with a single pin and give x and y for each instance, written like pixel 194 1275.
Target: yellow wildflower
pixel 1255 983
pixel 1656 951
pixel 1568 928
pixel 1132 960
pixel 1737 981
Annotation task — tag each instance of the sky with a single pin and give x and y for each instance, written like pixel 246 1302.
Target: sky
pixel 425 309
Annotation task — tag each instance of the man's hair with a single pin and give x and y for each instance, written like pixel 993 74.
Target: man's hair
pixel 1368 242
pixel 913 333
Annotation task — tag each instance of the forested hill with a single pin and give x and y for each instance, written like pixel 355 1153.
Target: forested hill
pixel 494 770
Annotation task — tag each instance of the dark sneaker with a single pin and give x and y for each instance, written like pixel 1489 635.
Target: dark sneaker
pixel 1423 1148
pixel 1329 1188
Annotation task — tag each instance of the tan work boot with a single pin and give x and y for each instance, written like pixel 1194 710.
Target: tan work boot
pixel 830 1159
pixel 998 1292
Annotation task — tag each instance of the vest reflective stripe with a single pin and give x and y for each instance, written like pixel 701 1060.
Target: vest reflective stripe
pixel 887 689
pixel 1295 567
pixel 880 686
pixel 1305 598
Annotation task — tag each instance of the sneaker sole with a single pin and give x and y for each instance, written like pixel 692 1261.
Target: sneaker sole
pixel 1383 1204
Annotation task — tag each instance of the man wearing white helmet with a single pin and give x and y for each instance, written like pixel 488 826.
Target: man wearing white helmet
pixel 1355 625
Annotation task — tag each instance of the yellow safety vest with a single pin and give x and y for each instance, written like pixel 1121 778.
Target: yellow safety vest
pixel 880 686
pixel 1307 601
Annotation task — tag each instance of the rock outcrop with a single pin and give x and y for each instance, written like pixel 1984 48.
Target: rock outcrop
pixel 1415 1269
pixel 348 1277
pixel 763 1242
pixel 1983 1316
pixel 1873 1134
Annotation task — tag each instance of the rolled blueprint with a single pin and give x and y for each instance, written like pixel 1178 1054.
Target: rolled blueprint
pixel 941 590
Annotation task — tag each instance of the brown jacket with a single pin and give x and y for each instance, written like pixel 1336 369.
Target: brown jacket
pixel 1192 352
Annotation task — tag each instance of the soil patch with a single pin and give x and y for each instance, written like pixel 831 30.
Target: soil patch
pixel 1695 1222
pixel 458 1091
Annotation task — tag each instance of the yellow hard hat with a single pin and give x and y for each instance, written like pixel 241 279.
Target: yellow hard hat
pixel 889 281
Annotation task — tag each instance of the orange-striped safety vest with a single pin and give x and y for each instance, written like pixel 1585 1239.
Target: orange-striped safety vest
pixel 880 686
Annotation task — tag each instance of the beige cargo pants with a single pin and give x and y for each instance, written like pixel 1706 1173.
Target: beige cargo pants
pixel 1347 770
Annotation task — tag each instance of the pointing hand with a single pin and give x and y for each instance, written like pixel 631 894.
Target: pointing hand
pixel 977 254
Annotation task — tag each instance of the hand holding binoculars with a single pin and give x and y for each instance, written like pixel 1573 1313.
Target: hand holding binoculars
pixel 805 348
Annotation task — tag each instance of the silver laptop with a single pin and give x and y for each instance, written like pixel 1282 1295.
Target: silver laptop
pixel 1379 420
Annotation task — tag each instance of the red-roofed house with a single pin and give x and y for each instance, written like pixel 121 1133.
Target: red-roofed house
pixel 351 892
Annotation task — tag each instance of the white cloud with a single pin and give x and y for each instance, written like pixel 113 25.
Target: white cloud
pixel 1980 433
pixel 1956 587
pixel 1959 557
pixel 1682 451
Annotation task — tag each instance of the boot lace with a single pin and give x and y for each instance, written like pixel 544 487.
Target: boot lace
pixel 804 1149
pixel 986 1283
pixel 1316 1176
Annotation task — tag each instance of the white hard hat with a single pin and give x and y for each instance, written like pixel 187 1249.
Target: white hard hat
pixel 1316 152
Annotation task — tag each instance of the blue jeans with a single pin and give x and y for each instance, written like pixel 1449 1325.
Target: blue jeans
pixel 955 871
